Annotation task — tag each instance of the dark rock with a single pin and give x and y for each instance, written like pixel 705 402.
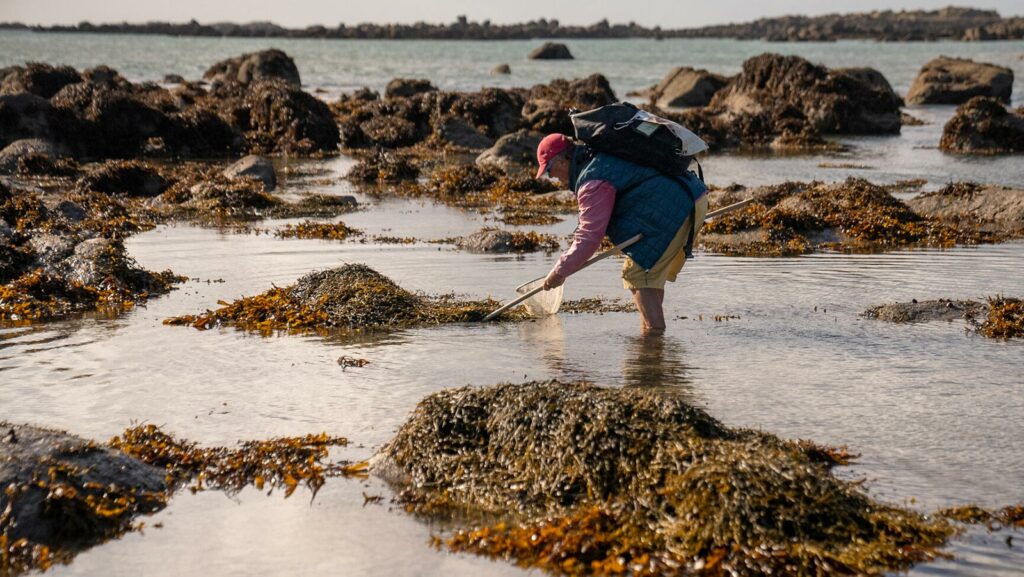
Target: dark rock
pixel 21 149
pixel 546 109
pixel 173 79
pixel 48 475
pixel 512 151
pixel 201 133
pixel 40 79
pixel 687 87
pixel 946 80
pixel 254 167
pixel 130 178
pixel 983 125
pixel 551 51
pixel 248 68
pixel 405 87
pixel 105 76
pixel 285 119
pixel 27 116
pixel 390 131
pixel 501 69
pixel 456 130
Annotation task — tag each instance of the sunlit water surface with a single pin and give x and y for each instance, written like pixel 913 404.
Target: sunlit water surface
pixel 935 412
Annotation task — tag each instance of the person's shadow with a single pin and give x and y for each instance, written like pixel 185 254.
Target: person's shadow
pixel 656 361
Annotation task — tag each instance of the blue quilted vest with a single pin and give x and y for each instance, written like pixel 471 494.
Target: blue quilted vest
pixel 647 201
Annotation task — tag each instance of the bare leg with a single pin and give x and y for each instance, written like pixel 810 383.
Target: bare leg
pixel 652 316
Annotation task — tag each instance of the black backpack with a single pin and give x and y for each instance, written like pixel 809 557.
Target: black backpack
pixel 625 131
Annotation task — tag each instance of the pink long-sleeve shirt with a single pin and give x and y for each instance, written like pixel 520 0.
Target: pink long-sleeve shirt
pixel 596 199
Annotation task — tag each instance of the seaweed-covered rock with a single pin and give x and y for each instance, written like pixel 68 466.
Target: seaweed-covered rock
pixel 924 311
pixel 547 106
pixel 383 166
pixel 856 215
pixel 946 80
pixel 63 493
pixel 349 297
pixel 512 151
pixel 503 241
pixel 686 86
pixel 27 116
pixel 405 87
pixel 285 119
pixel 253 167
pixel 21 150
pixel 130 178
pixel 578 479
pixel 248 68
pixel 994 208
pixel 173 79
pixel 983 125
pixel 459 132
pixel 40 79
pixel 551 51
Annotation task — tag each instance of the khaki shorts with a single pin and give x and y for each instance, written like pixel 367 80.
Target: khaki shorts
pixel 673 259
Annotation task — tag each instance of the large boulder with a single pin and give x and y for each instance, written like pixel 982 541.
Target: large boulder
pixel 39 79
pixel 831 101
pixel 62 490
pixel 512 151
pixel 25 115
pixel 456 130
pixel 283 118
pixel 547 107
pixel 405 87
pixel 248 68
pixel 551 51
pixel 946 80
pixel 685 86
pixel 129 178
pixel 983 125
pixel 253 167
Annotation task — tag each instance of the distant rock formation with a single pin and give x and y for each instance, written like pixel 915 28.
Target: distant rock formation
pixel 551 51
pixel 946 80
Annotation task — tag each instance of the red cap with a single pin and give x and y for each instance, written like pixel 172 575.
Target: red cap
pixel 549 148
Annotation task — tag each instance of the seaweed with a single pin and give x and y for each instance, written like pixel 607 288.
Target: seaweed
pixel 318 230
pixel 1005 318
pixel 577 479
pixel 350 297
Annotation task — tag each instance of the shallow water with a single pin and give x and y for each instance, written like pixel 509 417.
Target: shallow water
pixel 934 411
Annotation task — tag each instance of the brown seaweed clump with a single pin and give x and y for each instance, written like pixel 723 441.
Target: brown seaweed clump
pixel 503 241
pixel 1005 319
pixel 577 479
pixel 1009 516
pixel 349 297
pixel 318 230
pixel 276 463
pixel 854 216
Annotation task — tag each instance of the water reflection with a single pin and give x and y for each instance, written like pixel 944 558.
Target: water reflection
pixel 656 360
pixel 547 336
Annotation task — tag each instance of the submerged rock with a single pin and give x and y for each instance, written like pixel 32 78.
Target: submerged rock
pixel 254 66
pixel 575 478
pixel 501 69
pixel 64 493
pixel 984 125
pixel 551 51
pixel 253 167
pixel 999 317
pixel 946 80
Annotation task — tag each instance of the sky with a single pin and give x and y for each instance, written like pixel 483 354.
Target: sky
pixel 298 13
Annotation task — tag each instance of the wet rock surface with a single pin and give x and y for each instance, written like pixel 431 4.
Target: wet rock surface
pixel 64 493
pixel 254 167
pixel 406 87
pixel 551 51
pixel 573 478
pixel 984 125
pixel 16 154
pixel 349 297
pixel 994 208
pixel 503 241
pixel 253 66
pixel 853 216
pixel 513 151
pixel 685 87
pixel 999 317
pixel 946 80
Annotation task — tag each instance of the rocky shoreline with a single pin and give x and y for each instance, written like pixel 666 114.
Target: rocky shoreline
pixel 951 23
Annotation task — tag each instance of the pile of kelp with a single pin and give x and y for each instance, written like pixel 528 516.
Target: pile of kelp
pixel 311 229
pixel 577 479
pixel 63 494
pixel 349 297
pixel 69 256
pixel 853 216
pixel 999 317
